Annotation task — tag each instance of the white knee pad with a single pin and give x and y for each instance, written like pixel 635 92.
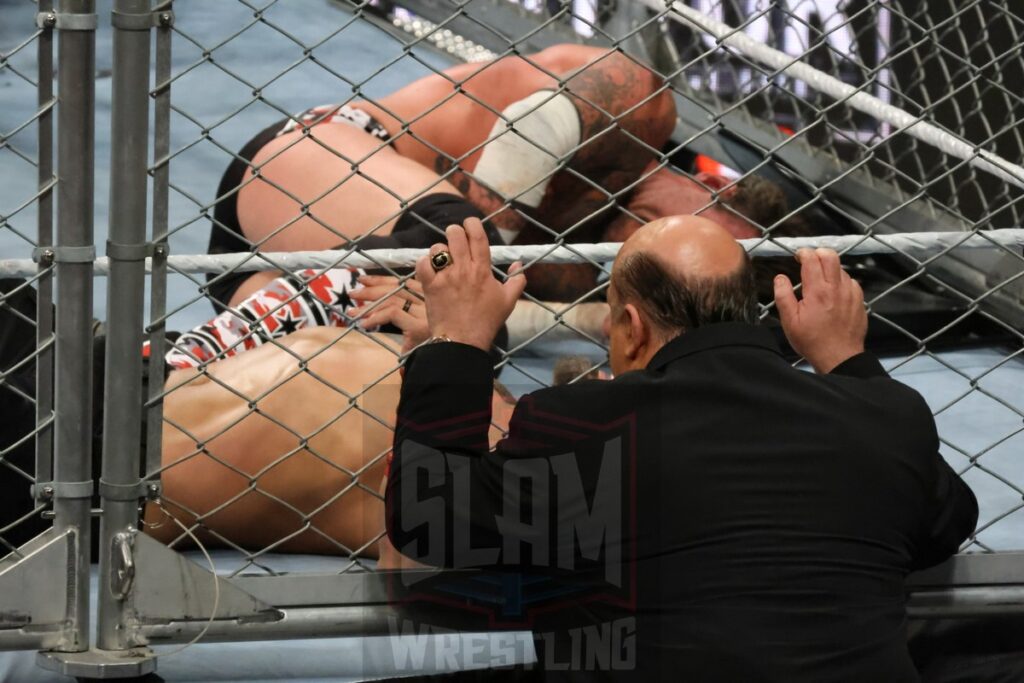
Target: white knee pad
pixel 526 145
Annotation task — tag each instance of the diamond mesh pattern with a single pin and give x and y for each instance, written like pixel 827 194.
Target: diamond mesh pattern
pixel 843 172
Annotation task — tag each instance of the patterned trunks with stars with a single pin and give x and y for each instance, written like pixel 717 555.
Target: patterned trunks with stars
pixel 288 303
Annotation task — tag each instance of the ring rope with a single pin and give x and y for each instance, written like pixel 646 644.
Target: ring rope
pixel 903 121
pixel 914 243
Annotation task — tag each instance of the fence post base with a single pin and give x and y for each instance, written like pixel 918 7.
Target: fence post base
pixel 101 664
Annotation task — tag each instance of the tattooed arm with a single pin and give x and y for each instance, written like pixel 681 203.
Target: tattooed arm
pixel 626 115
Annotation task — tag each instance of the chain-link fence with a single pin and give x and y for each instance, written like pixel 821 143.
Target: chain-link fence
pixel 565 126
pixel 26 155
pixel 46 463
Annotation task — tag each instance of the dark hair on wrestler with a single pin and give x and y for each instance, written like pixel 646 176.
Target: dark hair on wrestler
pixel 746 208
pixel 571 368
pixel 761 201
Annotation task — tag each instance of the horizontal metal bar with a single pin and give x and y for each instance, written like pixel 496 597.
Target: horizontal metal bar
pixel 917 243
pixel 308 590
pixel 380 620
pixel 958 573
pixel 361 603
pixel 312 622
pixel 975 569
pixel 957 603
pixel 20 640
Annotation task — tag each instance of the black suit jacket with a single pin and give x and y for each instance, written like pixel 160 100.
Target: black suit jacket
pixel 718 515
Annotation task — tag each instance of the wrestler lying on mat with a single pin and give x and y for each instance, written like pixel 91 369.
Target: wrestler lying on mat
pixel 214 451
pixel 431 154
pixel 283 443
pixel 302 472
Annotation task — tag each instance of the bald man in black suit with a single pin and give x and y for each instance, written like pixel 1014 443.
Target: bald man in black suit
pixel 745 520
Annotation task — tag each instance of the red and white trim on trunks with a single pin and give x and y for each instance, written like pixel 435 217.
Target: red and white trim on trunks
pixel 288 303
pixel 336 113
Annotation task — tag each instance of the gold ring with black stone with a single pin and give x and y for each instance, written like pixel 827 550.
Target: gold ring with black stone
pixel 440 261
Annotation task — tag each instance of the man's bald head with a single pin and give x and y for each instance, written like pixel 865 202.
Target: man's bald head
pixel 688 246
pixel 684 272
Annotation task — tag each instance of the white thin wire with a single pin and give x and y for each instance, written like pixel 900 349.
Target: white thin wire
pixel 819 80
pixel 216 586
pixel 918 243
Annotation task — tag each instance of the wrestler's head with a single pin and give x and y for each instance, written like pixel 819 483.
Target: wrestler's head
pixel 672 275
pixel 740 208
pixel 574 368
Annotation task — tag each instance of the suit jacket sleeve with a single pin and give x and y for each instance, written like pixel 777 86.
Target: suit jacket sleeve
pixel 864 365
pixel 445 494
pixel 451 502
pixel 951 508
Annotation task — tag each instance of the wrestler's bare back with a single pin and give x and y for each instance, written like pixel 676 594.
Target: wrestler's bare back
pixel 303 466
pixel 302 469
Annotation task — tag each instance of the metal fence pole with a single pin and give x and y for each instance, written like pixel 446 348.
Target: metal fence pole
pixel 161 195
pixel 120 485
pixel 74 255
pixel 44 311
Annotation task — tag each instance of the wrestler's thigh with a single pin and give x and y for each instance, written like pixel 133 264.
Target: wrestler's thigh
pixel 337 183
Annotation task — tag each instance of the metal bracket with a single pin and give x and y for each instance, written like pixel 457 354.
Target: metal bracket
pixel 124 492
pixel 46 255
pixel 34 581
pixel 168 586
pixel 117 251
pixel 129 492
pixel 140 22
pixel 62 489
pixel 63 21
pixel 122 568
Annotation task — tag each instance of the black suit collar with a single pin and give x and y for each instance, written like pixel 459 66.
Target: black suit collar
pixel 713 336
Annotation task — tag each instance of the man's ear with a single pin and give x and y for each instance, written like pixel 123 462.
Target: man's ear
pixel 639 334
pixel 717 183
